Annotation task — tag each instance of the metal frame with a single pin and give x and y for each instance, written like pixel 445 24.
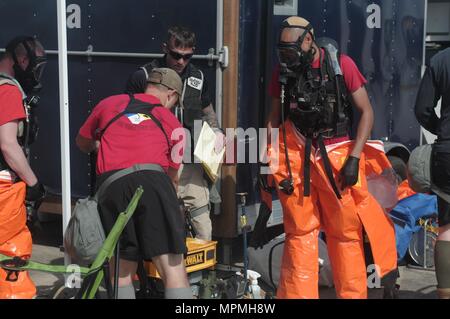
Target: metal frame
pixel 425 244
pixel 423 133
pixel 63 53
pixel 425 237
pixel 222 57
pixel 219 78
pixel 64 117
pixel 219 70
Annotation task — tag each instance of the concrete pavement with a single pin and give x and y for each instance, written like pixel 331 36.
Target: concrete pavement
pixel 414 283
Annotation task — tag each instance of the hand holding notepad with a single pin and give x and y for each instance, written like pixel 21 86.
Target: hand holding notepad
pixel 206 153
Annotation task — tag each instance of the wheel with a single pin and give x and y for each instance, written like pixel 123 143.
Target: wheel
pixel 63 292
pixel 399 167
pixel 417 247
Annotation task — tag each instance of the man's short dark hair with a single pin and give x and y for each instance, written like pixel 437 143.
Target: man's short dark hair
pixel 182 37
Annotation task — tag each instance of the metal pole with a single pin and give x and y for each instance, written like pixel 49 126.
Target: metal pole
pixel 245 228
pixel 425 243
pixel 64 116
pixel 424 36
pixel 90 53
pixel 219 71
pixel 424 44
pixel 219 81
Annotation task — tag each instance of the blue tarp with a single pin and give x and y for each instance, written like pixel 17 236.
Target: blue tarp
pixel 406 215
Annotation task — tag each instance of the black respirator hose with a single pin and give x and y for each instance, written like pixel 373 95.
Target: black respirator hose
pixel 307 168
pixel 284 134
pixel 327 166
pixel 338 98
pixel 337 75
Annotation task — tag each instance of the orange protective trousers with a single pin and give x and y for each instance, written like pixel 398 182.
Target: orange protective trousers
pixel 15 240
pixel 342 220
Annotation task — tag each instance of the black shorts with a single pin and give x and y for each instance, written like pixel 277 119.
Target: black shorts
pixel 440 174
pixel 157 226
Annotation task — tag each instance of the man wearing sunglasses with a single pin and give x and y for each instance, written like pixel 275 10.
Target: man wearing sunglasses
pixel 21 68
pixel 195 105
pixel 313 92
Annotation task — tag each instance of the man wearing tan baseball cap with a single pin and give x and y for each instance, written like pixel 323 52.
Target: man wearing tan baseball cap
pixel 161 80
pixel 127 130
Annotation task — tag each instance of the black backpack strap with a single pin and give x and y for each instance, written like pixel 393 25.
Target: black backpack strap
pixel 332 75
pixel 342 97
pixel 339 111
pixel 146 108
pixel 307 168
pixel 115 118
pixel 327 166
pixel 158 123
pixel 142 107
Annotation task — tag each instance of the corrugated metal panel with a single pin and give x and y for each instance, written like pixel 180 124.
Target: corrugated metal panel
pixel 113 25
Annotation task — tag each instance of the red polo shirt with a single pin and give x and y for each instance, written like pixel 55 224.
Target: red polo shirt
pixel 11 104
pixel 134 138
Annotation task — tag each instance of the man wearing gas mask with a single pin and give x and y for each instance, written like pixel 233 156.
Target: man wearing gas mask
pixel 321 174
pixel 21 68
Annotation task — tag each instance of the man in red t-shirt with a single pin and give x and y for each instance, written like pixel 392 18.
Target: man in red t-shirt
pixel 151 135
pixel 307 190
pixel 20 70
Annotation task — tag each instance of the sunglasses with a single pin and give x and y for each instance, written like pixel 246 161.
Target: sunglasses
pixel 177 56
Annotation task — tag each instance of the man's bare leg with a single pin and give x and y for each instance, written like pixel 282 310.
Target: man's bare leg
pixel 173 273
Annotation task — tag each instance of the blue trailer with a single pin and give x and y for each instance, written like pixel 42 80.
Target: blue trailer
pixel 108 40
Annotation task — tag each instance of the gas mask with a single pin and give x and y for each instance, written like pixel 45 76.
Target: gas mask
pixel 292 57
pixel 290 54
pixel 30 78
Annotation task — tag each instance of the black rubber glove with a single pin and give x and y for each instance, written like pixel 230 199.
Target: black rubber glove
pixel 264 184
pixel 35 193
pixel 259 236
pixel 349 172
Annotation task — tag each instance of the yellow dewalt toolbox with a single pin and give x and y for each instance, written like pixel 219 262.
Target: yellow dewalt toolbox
pixel 201 255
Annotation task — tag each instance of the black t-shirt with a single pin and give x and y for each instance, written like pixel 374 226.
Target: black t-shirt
pixel 435 84
pixel 137 82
